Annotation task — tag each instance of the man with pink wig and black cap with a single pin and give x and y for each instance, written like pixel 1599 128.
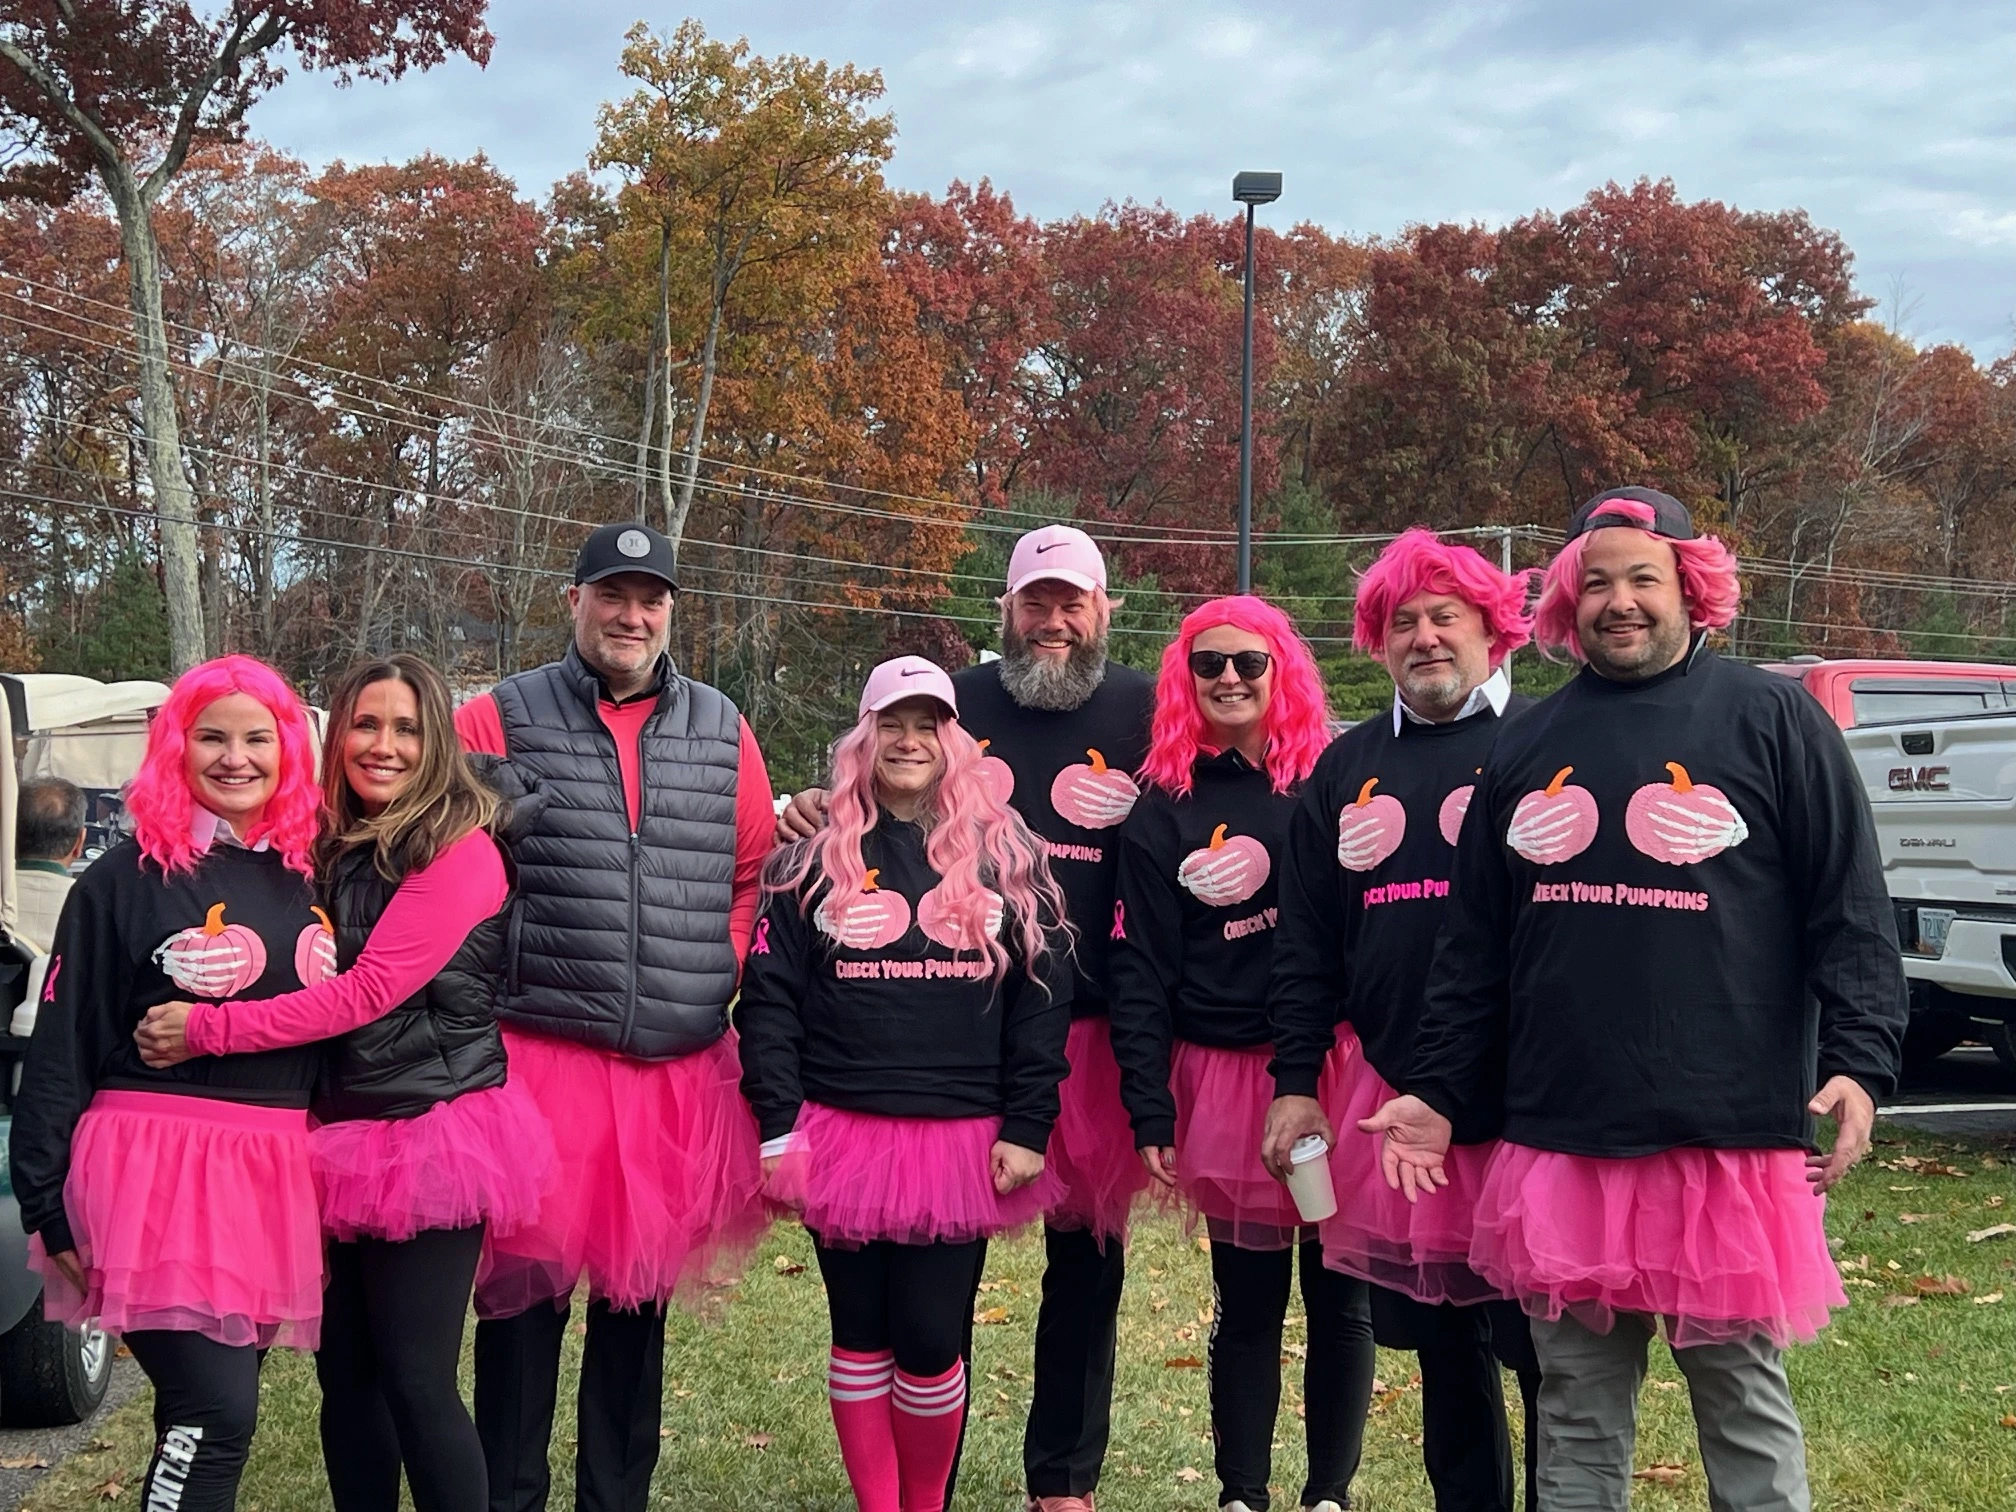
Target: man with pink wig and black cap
pixel 1064 729
pixel 1365 887
pixel 1671 948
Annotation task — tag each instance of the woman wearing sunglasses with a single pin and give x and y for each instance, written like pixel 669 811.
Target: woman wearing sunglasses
pixel 1240 719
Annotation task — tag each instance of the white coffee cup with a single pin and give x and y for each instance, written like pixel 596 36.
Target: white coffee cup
pixel 1309 1179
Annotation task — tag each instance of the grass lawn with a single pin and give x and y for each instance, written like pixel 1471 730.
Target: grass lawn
pixel 1909 1400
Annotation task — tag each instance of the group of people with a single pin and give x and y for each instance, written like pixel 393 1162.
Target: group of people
pixel 539 993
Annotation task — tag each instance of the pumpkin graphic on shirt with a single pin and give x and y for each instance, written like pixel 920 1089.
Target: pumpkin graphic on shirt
pixel 315 951
pixel 1557 823
pixel 939 924
pixel 212 959
pixel 1092 795
pixel 1682 821
pixel 1225 872
pixel 1369 829
pixel 996 776
pixel 872 918
pixel 1449 818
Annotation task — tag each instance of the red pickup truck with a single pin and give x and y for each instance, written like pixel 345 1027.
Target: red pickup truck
pixel 1887 692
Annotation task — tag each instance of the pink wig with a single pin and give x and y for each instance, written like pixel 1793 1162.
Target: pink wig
pixel 1298 715
pixel 1707 581
pixel 973 840
pixel 159 798
pixel 1422 562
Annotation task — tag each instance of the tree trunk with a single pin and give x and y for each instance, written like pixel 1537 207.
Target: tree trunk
pixel 174 504
pixel 675 517
pixel 661 355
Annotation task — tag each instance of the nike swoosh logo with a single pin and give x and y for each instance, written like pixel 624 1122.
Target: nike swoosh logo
pixel 1051 547
pixel 915 672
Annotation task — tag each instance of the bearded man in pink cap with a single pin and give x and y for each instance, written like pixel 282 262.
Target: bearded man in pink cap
pixel 1064 729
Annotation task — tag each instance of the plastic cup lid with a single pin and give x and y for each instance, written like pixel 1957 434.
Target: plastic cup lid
pixel 1309 1147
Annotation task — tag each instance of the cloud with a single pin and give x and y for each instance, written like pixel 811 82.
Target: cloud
pixel 1890 124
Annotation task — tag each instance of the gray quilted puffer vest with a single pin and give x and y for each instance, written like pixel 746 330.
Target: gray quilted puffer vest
pixel 620 940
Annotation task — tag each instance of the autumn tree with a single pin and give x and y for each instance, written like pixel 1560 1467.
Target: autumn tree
pixel 735 166
pixel 123 90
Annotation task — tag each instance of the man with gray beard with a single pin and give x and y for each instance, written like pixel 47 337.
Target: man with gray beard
pixel 1064 730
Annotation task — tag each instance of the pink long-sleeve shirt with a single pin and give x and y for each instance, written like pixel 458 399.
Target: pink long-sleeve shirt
pixel 425 923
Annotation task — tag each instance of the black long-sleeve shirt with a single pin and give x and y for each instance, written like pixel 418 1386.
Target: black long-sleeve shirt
pixel 130 939
pixel 1194 928
pixel 1669 901
pixel 1365 887
pixel 906 1029
pixel 1040 746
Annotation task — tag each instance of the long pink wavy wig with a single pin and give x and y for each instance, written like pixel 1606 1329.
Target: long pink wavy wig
pixel 1298 714
pixel 1707 580
pixel 1419 562
pixel 974 841
pixel 159 798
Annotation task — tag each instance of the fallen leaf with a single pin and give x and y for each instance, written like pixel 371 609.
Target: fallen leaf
pixel 1900 1301
pixel 1189 1475
pixel 97 1446
pixel 1907 1189
pixel 109 1490
pixel 24 1462
pixel 1993 1231
pixel 1892 1265
pixel 1995 1201
pixel 1204 1244
pixel 757 1440
pixel 1987 1299
pixel 1183 1362
pixel 1940 1286
pixel 1914 1217
pixel 2009 1419
pixel 786 1266
pixel 664 1433
pixel 1669 1385
pixel 991 1315
pixel 1666 1474
pixel 682 1393
pixel 1857 1281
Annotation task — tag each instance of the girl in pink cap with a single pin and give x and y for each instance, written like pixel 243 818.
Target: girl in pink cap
pixel 903 1018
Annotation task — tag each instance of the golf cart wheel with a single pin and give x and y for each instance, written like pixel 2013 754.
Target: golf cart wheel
pixel 51 1375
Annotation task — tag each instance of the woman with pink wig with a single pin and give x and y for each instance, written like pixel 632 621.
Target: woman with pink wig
pixel 1240 720
pixel 176 1205
pixel 903 1020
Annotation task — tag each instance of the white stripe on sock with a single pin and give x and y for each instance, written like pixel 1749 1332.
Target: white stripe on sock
pixel 859 1380
pixel 931 1398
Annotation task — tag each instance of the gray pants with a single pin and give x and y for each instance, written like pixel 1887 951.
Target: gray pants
pixel 1752 1449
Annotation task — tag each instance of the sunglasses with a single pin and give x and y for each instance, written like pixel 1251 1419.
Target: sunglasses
pixel 1248 664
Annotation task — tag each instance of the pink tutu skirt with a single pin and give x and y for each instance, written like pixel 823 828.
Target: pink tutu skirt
pixel 485 1157
pixel 1420 1249
pixel 1722 1244
pixel 656 1178
pixel 1221 1112
pixel 191 1214
pixel 858 1177
pixel 1092 1148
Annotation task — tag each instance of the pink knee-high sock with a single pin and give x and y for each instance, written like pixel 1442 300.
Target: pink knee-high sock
pixel 857 1389
pixel 928 1412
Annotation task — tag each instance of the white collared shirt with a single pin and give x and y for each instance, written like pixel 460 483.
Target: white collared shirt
pixel 207 829
pixel 1492 694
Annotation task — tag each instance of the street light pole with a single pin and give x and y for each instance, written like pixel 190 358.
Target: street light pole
pixel 1250 190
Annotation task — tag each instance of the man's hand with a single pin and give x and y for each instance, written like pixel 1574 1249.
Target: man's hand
pixel 1290 1120
pixel 803 817
pixel 1854 1112
pixel 70 1268
pixel 162 1035
pixel 770 1164
pixel 1014 1166
pixel 1416 1139
pixel 1161 1163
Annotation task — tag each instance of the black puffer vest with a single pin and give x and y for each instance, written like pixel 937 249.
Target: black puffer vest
pixel 438 1044
pixel 619 939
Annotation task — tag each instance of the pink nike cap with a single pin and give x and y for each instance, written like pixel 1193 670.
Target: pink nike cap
pixel 1063 552
pixel 907 677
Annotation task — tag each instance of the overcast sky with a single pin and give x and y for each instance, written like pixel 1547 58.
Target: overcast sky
pixel 1891 121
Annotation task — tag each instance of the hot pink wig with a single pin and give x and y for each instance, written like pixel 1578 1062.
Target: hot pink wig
pixel 1422 562
pixel 159 798
pixel 1707 581
pixel 974 841
pixel 1298 714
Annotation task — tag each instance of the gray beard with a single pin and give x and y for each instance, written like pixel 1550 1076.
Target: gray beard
pixel 1037 682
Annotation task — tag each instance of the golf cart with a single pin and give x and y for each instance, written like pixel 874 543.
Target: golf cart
pixel 93 734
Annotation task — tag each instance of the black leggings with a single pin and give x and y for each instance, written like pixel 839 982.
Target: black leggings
pixel 391 1342
pixel 915 1300
pixel 206 1404
pixel 1249 1304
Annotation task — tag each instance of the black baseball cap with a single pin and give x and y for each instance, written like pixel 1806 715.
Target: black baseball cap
pixel 1669 516
pixel 626 547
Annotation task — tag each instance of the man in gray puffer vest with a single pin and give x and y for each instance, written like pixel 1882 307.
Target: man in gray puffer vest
pixel 638 888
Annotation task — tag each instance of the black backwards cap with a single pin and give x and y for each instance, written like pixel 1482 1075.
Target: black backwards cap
pixel 1669 516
